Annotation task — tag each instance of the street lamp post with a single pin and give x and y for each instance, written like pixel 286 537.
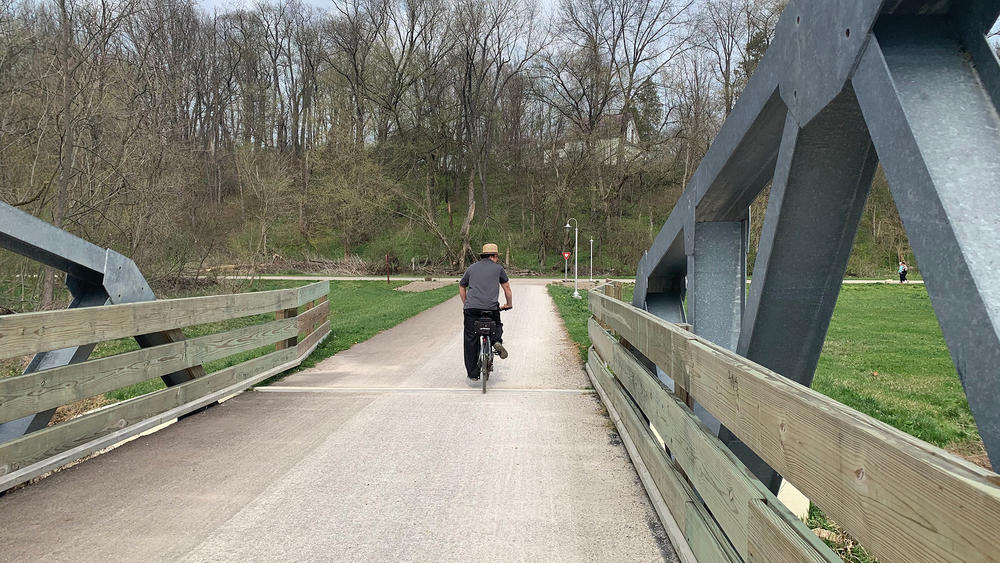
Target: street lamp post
pixel 591 258
pixel 576 256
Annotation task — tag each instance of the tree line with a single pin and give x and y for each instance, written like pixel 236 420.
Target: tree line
pixel 417 128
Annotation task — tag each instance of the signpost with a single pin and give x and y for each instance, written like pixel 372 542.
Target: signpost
pixel 566 256
pixel 576 261
pixel 591 258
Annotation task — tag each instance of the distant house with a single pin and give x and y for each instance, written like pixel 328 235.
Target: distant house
pixel 607 140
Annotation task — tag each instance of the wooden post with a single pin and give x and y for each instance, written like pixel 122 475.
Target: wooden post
pixel 287 314
pixel 681 392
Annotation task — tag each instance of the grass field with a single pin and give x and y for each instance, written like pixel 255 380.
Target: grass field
pixel 885 356
pixel 575 314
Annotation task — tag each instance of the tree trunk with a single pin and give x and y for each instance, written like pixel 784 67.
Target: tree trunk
pixel 467 224
pixel 65 150
pixel 486 201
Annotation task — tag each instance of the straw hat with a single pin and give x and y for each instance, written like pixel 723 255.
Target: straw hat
pixel 488 249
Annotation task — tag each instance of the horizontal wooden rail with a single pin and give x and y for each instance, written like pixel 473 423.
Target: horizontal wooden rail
pixel 308 320
pixel 729 490
pixel 31 333
pixel 46 449
pixel 701 533
pixel 41 390
pixel 317 335
pixel 903 499
pixel 312 292
pixel 49 441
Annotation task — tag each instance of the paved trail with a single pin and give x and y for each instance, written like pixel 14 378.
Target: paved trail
pixel 382 452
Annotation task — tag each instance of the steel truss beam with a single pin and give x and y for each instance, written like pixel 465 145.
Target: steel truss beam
pixel 94 276
pixel 846 84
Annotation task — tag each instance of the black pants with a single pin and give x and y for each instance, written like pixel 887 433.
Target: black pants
pixel 472 339
pixel 902 276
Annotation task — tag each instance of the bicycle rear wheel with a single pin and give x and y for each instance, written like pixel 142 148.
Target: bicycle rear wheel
pixel 484 361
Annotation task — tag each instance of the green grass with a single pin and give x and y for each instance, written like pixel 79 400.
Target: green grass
pixel 839 541
pixel 886 357
pixel 575 314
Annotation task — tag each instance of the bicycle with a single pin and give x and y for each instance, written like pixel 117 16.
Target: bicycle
pixel 484 328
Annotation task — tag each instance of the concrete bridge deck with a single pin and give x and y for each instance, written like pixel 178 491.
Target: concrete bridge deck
pixel 382 452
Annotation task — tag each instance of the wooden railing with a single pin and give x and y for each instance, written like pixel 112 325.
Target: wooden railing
pixel 902 498
pixel 49 448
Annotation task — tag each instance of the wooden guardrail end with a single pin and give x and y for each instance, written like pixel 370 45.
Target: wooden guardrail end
pixel 35 453
pixel 50 441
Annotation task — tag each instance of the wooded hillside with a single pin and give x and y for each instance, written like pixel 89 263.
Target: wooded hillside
pixel 269 136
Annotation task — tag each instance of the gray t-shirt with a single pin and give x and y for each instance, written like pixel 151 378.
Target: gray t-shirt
pixel 483 281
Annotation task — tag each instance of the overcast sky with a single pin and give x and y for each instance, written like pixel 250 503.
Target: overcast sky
pixel 222 5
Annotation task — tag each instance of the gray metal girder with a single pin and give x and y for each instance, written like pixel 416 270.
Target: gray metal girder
pixel 937 132
pixel 820 186
pixel 819 191
pixel 921 77
pixel 94 276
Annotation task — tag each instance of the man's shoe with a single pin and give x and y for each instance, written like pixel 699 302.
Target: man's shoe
pixel 500 350
pixel 473 377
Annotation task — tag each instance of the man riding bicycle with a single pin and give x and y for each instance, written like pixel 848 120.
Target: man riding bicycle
pixel 479 290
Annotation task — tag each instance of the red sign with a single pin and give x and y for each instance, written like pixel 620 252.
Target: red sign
pixel 566 255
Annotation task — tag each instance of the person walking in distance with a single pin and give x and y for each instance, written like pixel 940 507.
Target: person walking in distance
pixel 479 290
pixel 902 271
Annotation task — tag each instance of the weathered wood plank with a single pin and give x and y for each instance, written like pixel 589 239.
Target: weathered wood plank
pixel 312 292
pixel 177 335
pixel 726 490
pixel 702 533
pixel 51 441
pixel 663 343
pixel 311 340
pixel 30 333
pixel 671 526
pixel 35 392
pixel 309 319
pixel 288 314
pixel 723 482
pixel 904 499
pixel 776 537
